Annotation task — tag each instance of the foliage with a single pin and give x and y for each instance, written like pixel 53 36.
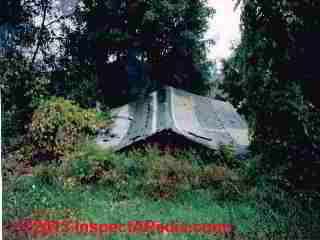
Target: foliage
pixel 20 33
pixel 85 204
pixel 283 215
pixel 58 124
pixel 24 81
pixel 16 26
pixel 122 180
pixel 271 78
pixel 153 173
pixel 225 156
pixel 166 34
pixel 75 82
pixel 22 90
pixel 46 174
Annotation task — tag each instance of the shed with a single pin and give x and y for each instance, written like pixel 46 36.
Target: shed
pixel 173 115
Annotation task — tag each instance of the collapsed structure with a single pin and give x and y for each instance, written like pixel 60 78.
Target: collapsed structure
pixel 175 116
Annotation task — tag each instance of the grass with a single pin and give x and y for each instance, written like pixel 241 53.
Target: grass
pixel 95 186
pixel 102 205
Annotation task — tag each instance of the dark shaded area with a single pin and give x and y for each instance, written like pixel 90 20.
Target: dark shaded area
pixel 171 142
pixel 178 70
pixel 124 80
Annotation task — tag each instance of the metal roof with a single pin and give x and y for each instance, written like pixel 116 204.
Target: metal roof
pixel 203 120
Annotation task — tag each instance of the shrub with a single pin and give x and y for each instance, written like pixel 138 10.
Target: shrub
pixel 46 173
pixel 226 157
pixel 166 174
pixel 9 126
pixel 281 214
pixel 22 89
pixel 58 125
pixel 89 164
pixel 152 172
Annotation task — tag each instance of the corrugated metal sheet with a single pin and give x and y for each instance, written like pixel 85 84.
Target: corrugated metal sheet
pixel 203 120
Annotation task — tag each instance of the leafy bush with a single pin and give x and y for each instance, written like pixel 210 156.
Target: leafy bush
pixel 165 174
pixel 58 125
pixel 47 174
pixel 75 82
pixel 283 215
pixel 225 156
pixel 90 165
pixel 152 172
pixel 22 89
pixel 10 125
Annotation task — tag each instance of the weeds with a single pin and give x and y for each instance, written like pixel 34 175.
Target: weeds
pixel 109 187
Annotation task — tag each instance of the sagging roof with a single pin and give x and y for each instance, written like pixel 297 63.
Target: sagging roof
pixel 203 120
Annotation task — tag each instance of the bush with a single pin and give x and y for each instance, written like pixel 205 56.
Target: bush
pixel 75 82
pixel 151 172
pixel 11 126
pixel 165 174
pixel 47 174
pixel 89 165
pixel 22 89
pixel 58 125
pixel 283 215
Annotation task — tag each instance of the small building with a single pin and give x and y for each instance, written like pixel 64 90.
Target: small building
pixel 175 117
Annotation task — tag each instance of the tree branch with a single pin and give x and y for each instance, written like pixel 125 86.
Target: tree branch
pixel 46 5
pixel 58 19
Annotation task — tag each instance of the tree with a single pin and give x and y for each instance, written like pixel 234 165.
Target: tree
pixel 273 75
pixel 22 81
pixel 167 34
